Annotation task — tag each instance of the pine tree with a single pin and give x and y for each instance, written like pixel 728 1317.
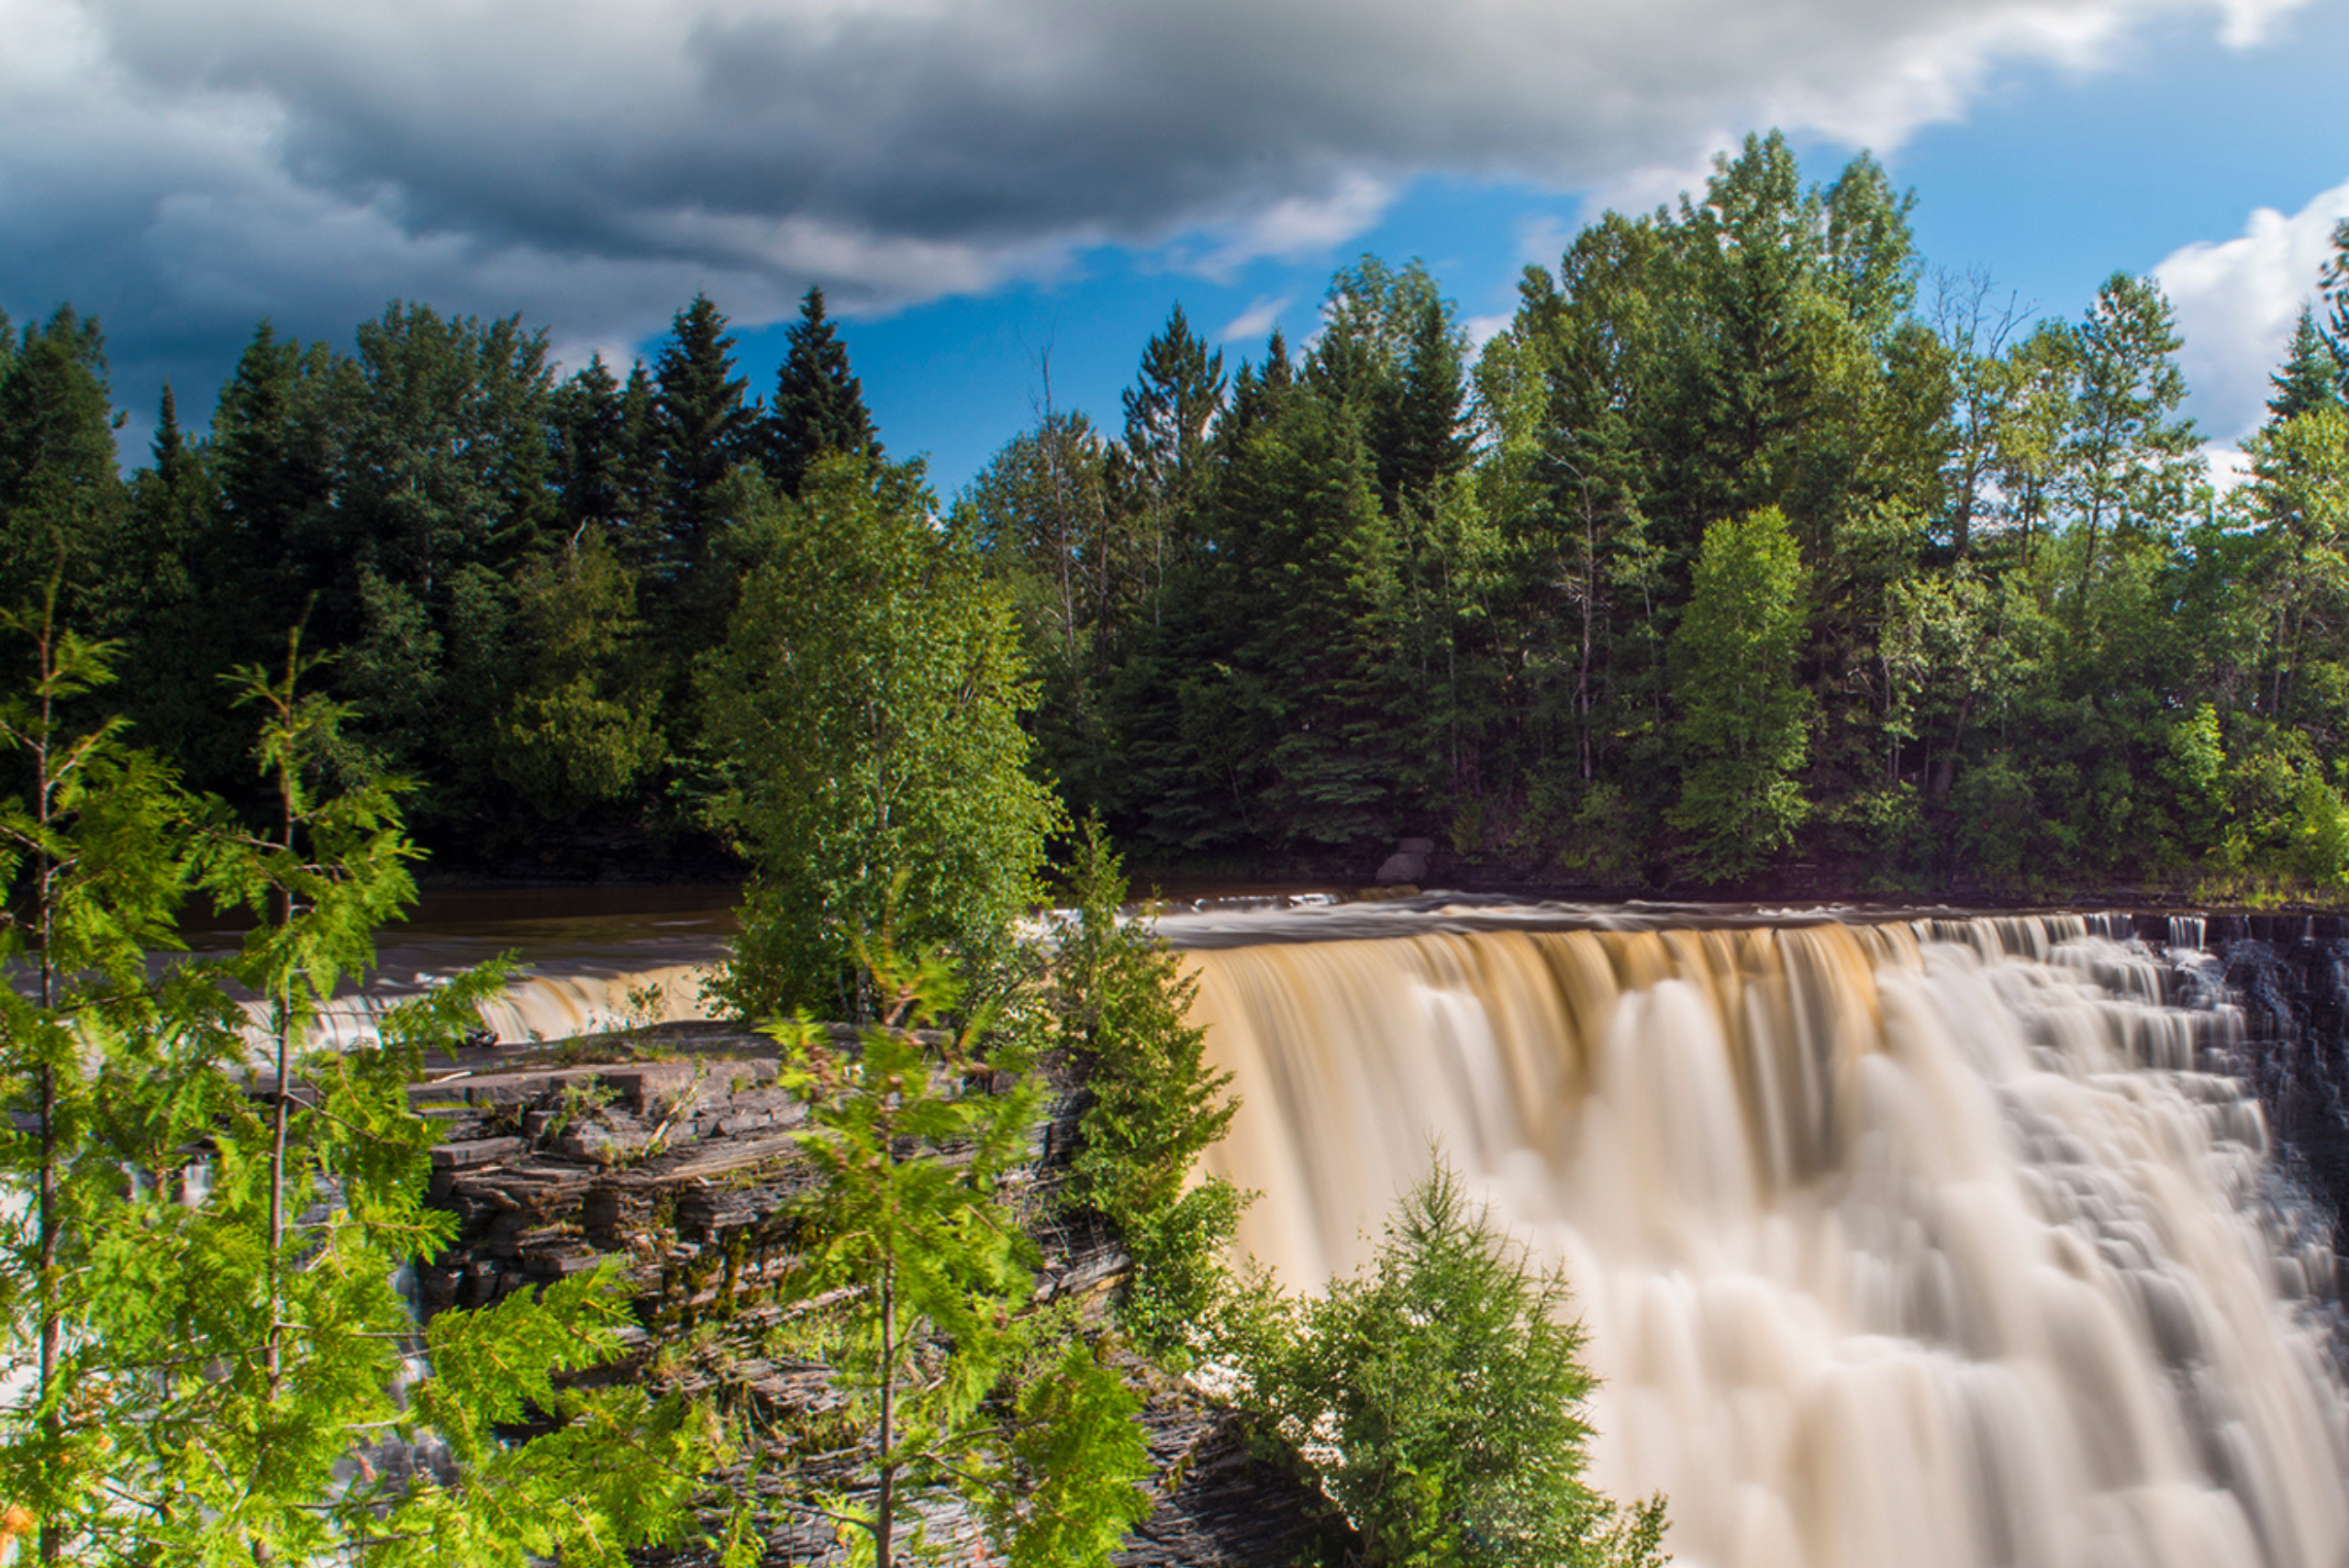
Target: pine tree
pixel 2126 456
pixel 1304 578
pixel 1171 410
pixel 173 559
pixel 1419 434
pixel 818 406
pixel 586 428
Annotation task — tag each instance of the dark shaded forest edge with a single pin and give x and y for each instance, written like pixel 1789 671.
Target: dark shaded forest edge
pixel 1751 556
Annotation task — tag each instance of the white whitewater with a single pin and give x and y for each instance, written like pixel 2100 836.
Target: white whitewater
pixel 1915 1246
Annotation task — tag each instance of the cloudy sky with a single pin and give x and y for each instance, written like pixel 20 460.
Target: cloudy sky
pixel 987 189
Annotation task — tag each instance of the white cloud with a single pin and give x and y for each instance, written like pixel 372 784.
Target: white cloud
pixel 1256 321
pixel 2237 301
pixel 1483 329
pixel 182 164
pixel 2227 467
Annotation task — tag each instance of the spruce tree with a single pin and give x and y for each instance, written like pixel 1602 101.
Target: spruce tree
pixel 818 405
pixel 1171 411
pixel 1420 434
pixel 1438 1395
pixel 2312 376
pixel 173 562
pixel 586 426
pixel 60 494
pixel 703 429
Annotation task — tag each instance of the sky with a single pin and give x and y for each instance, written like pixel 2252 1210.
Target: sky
pixel 1002 199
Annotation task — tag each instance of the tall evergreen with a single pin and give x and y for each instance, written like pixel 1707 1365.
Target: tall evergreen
pixel 1304 568
pixel 1419 432
pixel 587 429
pixel 1171 411
pixel 60 496
pixel 173 556
pixel 638 471
pixel 2312 376
pixel 273 454
pixel 703 430
pixel 818 405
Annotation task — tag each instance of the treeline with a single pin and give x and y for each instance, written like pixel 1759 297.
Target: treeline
pixel 1743 553
pixel 513 576
pixel 1739 555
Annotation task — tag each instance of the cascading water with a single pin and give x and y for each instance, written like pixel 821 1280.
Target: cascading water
pixel 1935 1244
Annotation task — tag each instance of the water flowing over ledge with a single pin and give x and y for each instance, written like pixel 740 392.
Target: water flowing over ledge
pixel 1924 1242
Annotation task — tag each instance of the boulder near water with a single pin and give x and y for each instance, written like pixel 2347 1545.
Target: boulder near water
pixel 1408 864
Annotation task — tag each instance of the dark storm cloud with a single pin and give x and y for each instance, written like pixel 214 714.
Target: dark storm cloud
pixel 184 167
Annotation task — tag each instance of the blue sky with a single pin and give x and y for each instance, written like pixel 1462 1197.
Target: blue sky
pixel 2055 178
pixel 984 187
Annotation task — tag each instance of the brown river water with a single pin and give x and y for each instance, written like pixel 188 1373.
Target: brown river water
pixel 1902 1239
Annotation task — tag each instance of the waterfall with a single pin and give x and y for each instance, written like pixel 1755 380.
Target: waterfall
pixel 544 1004
pixel 1928 1244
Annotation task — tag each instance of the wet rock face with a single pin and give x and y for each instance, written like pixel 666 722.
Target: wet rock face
pixel 685 1172
pixel 2293 988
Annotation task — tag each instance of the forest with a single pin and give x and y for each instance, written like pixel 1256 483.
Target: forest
pixel 1750 555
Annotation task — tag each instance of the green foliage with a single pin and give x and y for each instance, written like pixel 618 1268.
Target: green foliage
pixel 1743 726
pixel 201 1296
pixel 1437 1397
pixel 703 429
pixel 581 728
pixel 1295 612
pixel 1043 514
pixel 1120 998
pixel 818 405
pixel 938 1341
pixel 863 715
pixel 60 497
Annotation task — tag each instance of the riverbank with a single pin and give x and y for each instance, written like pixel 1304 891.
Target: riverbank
pixel 669 1153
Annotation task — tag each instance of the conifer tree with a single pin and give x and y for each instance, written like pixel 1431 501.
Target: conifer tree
pixel 1171 412
pixel 2312 376
pixel 638 471
pixel 2126 456
pixel 1437 1397
pixel 586 426
pixel 202 1291
pixel 1419 434
pixel 60 494
pixel 173 560
pixel 963 1386
pixel 818 406
pixel 703 429
pixel 1304 573
pixel 1119 1000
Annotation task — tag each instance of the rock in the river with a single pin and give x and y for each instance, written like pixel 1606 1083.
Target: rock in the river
pixel 1408 864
